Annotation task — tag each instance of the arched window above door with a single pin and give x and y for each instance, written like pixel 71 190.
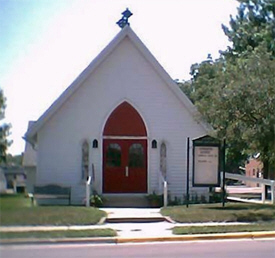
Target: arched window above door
pixel 125 121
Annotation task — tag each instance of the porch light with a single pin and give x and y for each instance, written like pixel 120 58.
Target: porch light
pixel 95 144
pixel 154 144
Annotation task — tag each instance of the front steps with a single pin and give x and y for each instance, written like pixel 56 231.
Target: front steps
pixel 125 201
pixel 134 215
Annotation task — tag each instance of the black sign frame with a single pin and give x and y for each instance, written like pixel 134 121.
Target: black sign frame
pixel 206 141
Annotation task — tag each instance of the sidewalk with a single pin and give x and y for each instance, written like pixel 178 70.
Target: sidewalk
pixel 134 232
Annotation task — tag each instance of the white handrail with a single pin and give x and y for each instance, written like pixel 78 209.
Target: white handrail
pixel 165 191
pixel 262 181
pixel 88 182
pixel 252 179
pixel 165 194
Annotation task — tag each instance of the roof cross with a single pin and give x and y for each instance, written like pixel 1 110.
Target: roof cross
pixel 124 20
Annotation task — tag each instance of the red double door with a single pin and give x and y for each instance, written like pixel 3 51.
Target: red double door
pixel 124 166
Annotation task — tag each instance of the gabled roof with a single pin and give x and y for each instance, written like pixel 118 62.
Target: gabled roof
pixel 125 32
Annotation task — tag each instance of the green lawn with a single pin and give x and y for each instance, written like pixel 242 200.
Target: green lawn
pixel 17 210
pixel 105 232
pixel 223 229
pixel 240 212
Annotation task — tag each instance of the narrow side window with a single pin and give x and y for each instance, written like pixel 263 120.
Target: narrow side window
pixel 85 160
pixel 163 159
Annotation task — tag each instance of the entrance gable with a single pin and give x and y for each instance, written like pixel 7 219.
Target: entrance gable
pixel 126 32
pixel 125 121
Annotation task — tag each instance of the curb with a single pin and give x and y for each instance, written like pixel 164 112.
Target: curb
pixel 239 235
pixel 120 240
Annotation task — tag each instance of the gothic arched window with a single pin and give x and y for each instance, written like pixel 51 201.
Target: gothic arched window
pixel 85 160
pixel 163 159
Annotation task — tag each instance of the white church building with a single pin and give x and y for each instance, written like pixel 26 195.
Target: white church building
pixel 123 121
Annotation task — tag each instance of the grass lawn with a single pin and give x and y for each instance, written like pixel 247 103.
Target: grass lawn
pixel 223 229
pixel 241 212
pixel 104 232
pixel 17 210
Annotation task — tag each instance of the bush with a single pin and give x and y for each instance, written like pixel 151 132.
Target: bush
pixel 96 200
pixel 155 200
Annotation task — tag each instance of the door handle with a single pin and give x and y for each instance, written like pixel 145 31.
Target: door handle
pixel 126 171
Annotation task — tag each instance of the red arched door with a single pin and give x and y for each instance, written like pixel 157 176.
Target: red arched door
pixel 125 152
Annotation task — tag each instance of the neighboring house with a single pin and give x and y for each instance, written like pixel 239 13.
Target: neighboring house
pixel 121 121
pixel 3 182
pixel 253 168
pixel 29 164
pixel 15 178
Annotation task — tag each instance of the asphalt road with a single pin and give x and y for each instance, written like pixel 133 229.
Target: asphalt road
pixel 213 249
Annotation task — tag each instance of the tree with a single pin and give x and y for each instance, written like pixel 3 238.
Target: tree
pixel 186 87
pixel 15 160
pixel 238 100
pixel 235 93
pixel 253 26
pixel 4 129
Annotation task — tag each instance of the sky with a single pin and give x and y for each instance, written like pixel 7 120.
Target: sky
pixel 46 44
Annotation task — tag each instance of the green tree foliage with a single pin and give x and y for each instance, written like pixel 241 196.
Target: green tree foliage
pixel 254 25
pixel 15 160
pixel 186 87
pixel 236 92
pixel 238 100
pixel 4 129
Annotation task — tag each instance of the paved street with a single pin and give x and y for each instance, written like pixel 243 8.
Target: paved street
pixel 213 249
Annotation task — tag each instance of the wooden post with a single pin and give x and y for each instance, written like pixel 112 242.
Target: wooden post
pixel 14 183
pixel 263 193
pixel 272 188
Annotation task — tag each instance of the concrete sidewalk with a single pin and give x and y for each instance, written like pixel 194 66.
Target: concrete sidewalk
pixel 128 231
pixel 128 222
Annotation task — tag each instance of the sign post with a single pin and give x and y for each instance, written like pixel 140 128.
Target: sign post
pixel 187 174
pixel 223 173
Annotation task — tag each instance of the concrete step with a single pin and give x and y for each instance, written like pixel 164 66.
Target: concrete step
pixel 135 220
pixel 134 215
pixel 125 201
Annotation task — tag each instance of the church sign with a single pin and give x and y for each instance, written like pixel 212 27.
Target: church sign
pixel 206 165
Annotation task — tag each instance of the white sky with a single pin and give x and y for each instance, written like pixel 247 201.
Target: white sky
pixel 45 44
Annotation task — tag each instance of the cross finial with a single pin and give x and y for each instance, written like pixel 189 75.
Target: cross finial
pixel 124 20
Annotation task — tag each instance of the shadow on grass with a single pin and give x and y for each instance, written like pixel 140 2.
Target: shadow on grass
pixel 216 213
pixel 244 206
